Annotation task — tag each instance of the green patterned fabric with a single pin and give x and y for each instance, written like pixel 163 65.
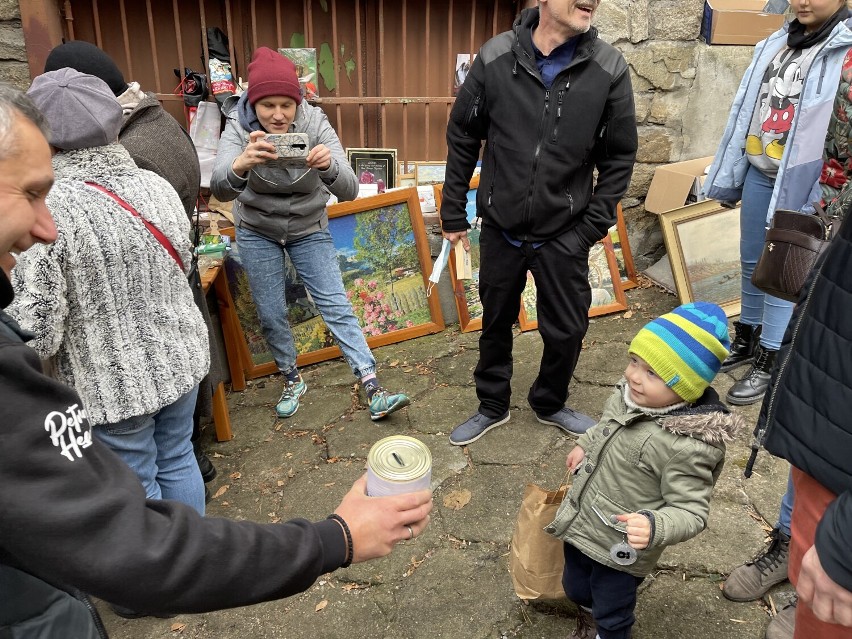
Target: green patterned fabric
pixel 837 166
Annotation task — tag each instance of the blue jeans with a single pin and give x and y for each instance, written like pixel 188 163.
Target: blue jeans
pixel 786 514
pixel 158 449
pixel 315 260
pixel 757 308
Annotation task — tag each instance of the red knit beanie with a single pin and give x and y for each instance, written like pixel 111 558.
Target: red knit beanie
pixel 270 73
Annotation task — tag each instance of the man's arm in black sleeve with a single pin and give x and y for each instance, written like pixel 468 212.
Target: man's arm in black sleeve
pixel 467 127
pixel 615 155
pixel 72 513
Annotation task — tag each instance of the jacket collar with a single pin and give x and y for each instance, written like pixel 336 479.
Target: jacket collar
pixel 90 164
pixel 707 419
pixel 523 46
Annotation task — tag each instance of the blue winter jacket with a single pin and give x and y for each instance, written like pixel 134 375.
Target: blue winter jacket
pixel 797 182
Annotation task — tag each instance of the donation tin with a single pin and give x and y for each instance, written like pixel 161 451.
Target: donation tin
pixel 398 464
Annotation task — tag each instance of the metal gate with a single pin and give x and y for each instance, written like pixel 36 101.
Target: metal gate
pixel 385 67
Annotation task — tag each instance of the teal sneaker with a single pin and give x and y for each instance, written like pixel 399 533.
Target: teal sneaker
pixel 289 402
pixel 383 403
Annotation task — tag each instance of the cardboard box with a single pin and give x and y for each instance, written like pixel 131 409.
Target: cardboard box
pixel 738 22
pixel 675 185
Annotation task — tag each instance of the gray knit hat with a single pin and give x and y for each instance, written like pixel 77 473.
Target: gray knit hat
pixel 81 110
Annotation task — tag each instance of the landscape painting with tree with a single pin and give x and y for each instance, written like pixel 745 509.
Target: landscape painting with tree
pixel 382 255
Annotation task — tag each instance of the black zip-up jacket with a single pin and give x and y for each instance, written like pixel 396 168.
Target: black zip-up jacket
pixel 805 417
pixel 73 514
pixel 542 145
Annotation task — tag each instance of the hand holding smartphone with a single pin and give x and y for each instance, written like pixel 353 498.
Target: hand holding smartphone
pixel 292 149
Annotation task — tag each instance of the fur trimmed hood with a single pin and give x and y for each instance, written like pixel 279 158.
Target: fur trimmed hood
pixel 708 419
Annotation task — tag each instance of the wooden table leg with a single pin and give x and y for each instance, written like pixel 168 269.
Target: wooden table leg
pixel 230 324
pixel 221 417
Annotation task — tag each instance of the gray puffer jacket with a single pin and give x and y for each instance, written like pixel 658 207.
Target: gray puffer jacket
pixel 282 204
pixel 664 465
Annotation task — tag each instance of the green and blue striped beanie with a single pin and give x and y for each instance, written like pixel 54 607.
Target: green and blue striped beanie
pixel 685 347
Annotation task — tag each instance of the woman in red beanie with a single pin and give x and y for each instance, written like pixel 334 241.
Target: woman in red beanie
pixel 281 212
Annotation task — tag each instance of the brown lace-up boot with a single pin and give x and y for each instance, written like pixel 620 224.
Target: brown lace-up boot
pixel 586 628
pixel 753 579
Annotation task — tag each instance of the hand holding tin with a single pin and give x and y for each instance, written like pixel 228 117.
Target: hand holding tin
pixel 377 524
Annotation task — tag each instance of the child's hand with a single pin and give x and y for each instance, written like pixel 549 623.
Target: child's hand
pixel 638 529
pixel 575 458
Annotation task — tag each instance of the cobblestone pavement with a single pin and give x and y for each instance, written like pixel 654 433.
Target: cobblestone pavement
pixel 453 580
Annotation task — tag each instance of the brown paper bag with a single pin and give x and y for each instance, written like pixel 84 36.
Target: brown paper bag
pixel 536 560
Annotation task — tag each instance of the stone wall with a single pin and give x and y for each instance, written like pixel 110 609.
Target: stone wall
pixel 13 54
pixel 683 89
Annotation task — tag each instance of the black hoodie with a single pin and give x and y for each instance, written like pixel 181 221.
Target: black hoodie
pixel 542 145
pixel 74 515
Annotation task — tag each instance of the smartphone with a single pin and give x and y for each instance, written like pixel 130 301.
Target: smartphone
pixel 292 149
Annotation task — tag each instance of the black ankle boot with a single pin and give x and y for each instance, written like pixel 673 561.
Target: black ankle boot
pixel 755 383
pixel 208 470
pixel 746 338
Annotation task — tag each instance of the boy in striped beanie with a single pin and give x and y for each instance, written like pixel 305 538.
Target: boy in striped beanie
pixel 645 472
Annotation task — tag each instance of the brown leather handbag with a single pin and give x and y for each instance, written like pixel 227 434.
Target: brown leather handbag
pixel 793 243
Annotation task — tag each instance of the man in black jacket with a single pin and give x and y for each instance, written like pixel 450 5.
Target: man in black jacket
pixel 805 419
pixel 74 516
pixel 553 103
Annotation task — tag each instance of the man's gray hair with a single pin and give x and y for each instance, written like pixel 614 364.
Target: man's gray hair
pixel 14 103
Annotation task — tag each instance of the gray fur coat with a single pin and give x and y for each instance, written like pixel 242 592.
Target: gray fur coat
pixel 106 299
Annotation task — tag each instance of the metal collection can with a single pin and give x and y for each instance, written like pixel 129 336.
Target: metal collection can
pixel 398 464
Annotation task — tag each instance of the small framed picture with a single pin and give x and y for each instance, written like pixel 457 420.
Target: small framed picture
pixel 705 270
pixel 405 168
pixel 623 255
pixel 374 166
pixel 607 293
pixel 428 173
pixel 306 69
pixel 468 304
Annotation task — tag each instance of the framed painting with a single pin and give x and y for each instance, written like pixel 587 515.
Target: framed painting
pixel 607 292
pixel 466 292
pixel 306 69
pixel 623 256
pixel 702 270
pixel 383 254
pixel 427 173
pixel 374 166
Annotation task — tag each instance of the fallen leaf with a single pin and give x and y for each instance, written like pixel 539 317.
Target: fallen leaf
pixel 277 428
pixel 177 627
pixel 235 475
pixel 413 566
pixel 268 439
pixel 628 315
pixel 222 490
pixel 217 455
pixel 281 482
pixel 321 605
pixel 394 363
pixel 291 473
pixel 457 499
pixel 353 586
pixel 329 484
